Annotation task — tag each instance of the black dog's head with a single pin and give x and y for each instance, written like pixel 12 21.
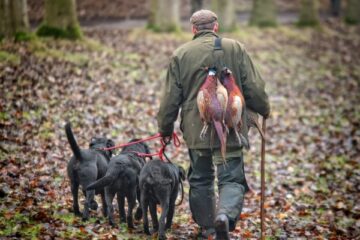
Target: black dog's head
pixel 102 142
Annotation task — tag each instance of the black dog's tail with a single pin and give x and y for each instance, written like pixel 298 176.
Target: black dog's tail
pixel 101 183
pixel 73 144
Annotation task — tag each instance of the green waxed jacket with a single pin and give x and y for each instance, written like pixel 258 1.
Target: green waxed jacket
pixel 185 76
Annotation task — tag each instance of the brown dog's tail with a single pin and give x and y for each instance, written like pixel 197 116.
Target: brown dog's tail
pixel 72 141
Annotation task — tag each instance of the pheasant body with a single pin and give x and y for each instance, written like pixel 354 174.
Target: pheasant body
pixel 212 102
pixel 235 106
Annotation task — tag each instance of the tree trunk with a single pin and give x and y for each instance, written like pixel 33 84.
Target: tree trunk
pixel 225 9
pixel 60 20
pixel 14 17
pixel 196 5
pixel 164 15
pixel 309 14
pixel 352 12
pixel 335 7
pixel 263 13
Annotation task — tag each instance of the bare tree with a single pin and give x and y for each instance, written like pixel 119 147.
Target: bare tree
pixel 225 9
pixel 60 20
pixel 352 12
pixel 164 15
pixel 309 14
pixel 335 7
pixel 14 17
pixel 263 13
pixel 196 5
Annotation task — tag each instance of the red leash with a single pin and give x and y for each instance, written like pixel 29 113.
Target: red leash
pixel 160 153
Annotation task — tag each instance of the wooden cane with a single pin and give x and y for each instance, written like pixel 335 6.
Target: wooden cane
pixel 262 201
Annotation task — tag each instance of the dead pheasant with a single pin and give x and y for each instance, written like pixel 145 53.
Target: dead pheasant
pixel 212 101
pixel 235 105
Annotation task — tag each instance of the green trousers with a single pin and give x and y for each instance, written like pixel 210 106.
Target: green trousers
pixel 232 185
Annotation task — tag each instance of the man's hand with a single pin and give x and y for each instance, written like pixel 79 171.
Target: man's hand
pixel 166 139
pixel 267 115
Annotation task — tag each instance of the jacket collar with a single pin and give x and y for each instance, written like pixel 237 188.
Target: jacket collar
pixel 205 33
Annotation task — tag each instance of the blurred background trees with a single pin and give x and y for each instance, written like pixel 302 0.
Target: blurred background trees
pixel 14 18
pixel 59 18
pixel 263 13
pixel 226 12
pixel 352 13
pixel 164 15
pixel 309 14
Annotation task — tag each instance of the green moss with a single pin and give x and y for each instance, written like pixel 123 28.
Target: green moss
pixel 351 21
pixel 9 58
pixel 68 33
pixel 23 36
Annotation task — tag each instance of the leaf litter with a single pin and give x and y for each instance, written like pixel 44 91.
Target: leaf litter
pixel 109 84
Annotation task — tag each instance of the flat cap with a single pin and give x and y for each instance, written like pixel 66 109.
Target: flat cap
pixel 203 17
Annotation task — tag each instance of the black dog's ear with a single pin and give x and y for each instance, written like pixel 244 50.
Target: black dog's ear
pixel 181 173
pixel 92 142
pixel 110 143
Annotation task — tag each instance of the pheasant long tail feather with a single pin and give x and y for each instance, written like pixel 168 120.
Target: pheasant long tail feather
pixel 219 128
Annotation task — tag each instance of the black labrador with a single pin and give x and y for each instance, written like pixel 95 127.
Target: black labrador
pixel 85 167
pixel 122 178
pixel 159 184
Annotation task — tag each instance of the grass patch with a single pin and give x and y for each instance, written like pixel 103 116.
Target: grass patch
pixel 40 50
pixel 9 58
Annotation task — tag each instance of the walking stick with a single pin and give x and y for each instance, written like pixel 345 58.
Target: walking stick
pixel 262 200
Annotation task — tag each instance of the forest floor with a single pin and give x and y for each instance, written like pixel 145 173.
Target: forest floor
pixel 108 84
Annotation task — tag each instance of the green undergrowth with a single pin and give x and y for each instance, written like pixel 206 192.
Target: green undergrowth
pixel 18 225
pixel 41 49
pixel 9 58
pixel 73 32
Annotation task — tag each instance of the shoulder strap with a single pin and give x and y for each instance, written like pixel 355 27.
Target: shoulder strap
pixel 218 54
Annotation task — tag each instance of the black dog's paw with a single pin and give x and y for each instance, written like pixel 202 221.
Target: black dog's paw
pixel 147 231
pixel 167 226
pixel 77 213
pixel 162 237
pixel 85 218
pixel 112 223
pixel 138 214
pixel 93 205
pixel 122 219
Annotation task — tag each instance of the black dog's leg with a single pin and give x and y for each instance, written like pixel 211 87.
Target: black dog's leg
pixel 121 204
pixel 75 193
pixel 103 199
pixel 144 206
pixel 164 212
pixel 170 215
pixel 89 198
pixel 152 207
pixel 138 213
pixel 109 196
pixel 131 204
pixel 171 208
